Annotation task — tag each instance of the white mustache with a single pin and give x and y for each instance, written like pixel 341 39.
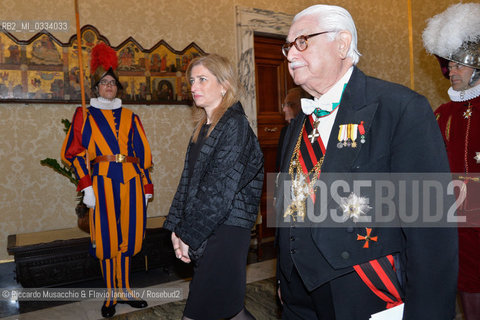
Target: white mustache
pixel 296 64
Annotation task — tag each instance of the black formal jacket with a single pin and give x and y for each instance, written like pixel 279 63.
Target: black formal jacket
pixel 402 136
pixel 226 184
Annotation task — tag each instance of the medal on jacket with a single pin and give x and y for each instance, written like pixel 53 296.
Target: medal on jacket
pixel 468 113
pixel 361 130
pixel 367 238
pixel 348 134
pixel 342 136
pixel 315 132
pixel 354 135
pixel 354 207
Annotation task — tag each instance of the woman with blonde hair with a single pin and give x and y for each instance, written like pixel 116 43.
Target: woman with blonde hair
pixel 217 200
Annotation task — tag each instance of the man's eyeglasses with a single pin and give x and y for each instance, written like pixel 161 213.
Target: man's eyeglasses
pixel 112 83
pixel 300 42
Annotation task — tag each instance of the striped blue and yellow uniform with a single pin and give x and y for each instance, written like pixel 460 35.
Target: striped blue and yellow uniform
pixel 117 226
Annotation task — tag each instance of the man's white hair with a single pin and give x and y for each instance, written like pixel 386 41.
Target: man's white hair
pixel 334 18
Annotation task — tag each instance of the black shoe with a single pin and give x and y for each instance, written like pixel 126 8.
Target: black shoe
pixel 108 312
pixel 135 303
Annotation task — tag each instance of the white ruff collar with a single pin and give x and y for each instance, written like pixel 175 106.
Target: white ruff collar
pixel 102 103
pixel 464 95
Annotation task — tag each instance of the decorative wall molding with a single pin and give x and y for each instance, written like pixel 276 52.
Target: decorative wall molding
pixel 43 69
pixel 250 21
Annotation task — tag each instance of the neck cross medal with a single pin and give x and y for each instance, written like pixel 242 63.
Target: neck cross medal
pixel 315 133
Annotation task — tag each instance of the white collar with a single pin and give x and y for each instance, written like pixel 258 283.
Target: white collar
pixel 334 94
pixel 102 103
pixel 464 95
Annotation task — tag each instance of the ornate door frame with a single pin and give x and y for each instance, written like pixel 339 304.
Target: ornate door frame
pixel 248 21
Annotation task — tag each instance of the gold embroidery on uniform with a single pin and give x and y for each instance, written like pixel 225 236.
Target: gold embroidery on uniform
pixel 447 128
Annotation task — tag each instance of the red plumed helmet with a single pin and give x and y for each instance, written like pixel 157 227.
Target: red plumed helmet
pixel 103 62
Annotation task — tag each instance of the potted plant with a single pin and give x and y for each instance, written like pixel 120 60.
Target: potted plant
pixel 81 209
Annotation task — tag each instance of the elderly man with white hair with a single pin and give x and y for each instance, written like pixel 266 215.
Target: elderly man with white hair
pixel 355 124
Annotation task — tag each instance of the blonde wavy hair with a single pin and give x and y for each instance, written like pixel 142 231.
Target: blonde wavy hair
pixel 225 74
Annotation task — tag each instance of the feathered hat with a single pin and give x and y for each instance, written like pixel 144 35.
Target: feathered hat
pixel 103 62
pixel 454 35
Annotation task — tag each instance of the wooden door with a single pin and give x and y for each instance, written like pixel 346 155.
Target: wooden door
pixel 272 82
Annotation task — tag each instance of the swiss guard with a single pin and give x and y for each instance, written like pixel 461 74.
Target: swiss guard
pixel 453 36
pixel 118 185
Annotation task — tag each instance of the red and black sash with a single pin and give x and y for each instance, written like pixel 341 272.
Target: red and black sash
pixel 379 275
pixel 310 153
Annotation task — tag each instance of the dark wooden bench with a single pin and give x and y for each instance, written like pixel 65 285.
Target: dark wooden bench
pixel 61 257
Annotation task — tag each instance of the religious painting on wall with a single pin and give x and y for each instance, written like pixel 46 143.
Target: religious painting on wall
pixel 43 69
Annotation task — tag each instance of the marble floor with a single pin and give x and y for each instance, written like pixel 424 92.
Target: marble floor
pixel 154 280
pixel 90 310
